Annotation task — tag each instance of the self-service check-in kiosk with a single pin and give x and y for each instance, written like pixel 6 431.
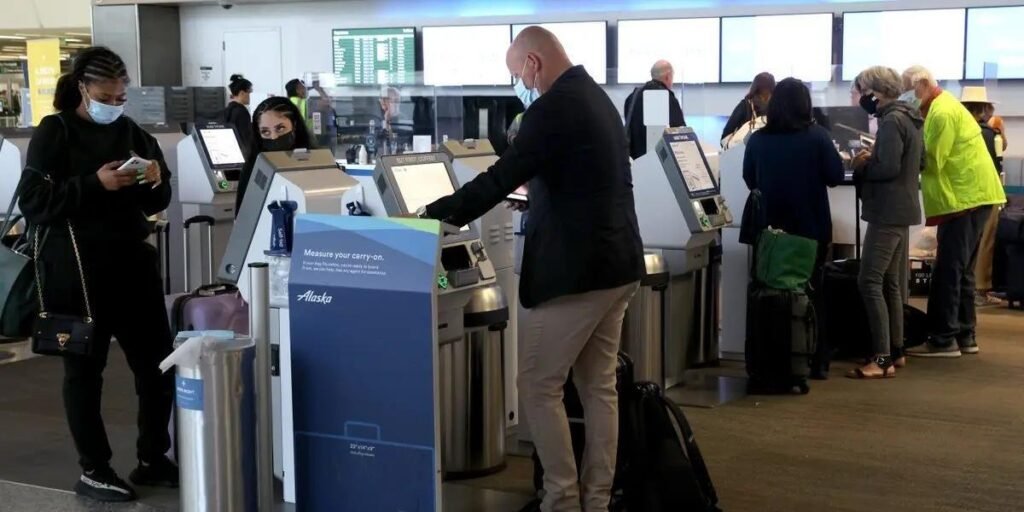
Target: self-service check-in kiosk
pixel 473 316
pixel 210 164
pixel 313 181
pixel 681 213
pixel 470 158
pixel 10 172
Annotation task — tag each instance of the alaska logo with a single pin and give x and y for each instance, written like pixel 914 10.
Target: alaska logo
pixel 309 296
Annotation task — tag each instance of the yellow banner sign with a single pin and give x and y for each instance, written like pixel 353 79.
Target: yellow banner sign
pixel 43 72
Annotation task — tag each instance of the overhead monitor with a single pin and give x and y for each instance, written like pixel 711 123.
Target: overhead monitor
pixel 995 47
pixel 370 56
pixel 221 146
pixel 895 39
pixel 691 45
pixel 797 45
pixel 466 55
pixel 584 42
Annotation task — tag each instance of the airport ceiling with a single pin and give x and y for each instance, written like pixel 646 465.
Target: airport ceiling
pixel 12 41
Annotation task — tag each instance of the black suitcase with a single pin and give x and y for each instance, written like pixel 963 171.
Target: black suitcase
pixel 780 342
pixel 846 327
pixel 1010 242
pixel 1015 275
pixel 574 410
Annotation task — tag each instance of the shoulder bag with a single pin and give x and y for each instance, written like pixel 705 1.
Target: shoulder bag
pixel 57 334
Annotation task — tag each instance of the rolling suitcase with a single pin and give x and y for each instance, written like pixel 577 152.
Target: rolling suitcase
pixel 845 322
pixel 1010 240
pixel 210 307
pixel 781 340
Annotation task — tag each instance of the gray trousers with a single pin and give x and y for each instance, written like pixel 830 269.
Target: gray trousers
pixel 883 284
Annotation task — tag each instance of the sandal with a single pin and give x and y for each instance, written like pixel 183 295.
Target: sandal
pixel 887 365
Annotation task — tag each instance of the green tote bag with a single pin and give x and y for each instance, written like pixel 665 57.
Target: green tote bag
pixel 784 261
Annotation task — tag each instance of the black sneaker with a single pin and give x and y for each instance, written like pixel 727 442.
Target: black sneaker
pixel 158 473
pixel 104 485
pixel 968 346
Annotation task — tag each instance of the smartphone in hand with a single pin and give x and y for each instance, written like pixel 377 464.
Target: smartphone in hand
pixel 135 163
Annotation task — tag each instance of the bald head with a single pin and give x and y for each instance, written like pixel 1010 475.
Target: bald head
pixel 662 72
pixel 538 57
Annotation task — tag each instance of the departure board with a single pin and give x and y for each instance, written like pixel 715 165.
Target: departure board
pixel 371 56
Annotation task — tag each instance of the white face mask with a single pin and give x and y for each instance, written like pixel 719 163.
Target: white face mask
pixel 101 113
pixel 526 95
pixel 911 98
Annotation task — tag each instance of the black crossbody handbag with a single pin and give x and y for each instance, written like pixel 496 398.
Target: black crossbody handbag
pixel 62 335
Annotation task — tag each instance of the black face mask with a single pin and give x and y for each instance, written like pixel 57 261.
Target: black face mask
pixel 285 142
pixel 869 103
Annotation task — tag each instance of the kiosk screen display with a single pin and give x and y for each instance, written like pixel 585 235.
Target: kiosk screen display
pixel 992 50
pixel 222 146
pixel 695 171
pixel 368 56
pixel 694 50
pixel 466 55
pixel 422 184
pixel 797 45
pixel 893 39
pixel 584 41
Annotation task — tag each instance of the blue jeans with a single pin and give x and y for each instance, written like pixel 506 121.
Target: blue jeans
pixel 951 314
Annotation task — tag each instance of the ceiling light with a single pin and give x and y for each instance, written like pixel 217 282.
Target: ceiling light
pixel 13 38
pixel 87 34
pixel 72 40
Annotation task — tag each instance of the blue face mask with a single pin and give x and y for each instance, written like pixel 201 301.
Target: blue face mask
pixel 101 113
pixel 911 98
pixel 525 95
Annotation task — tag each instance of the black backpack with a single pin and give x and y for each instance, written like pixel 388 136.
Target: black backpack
pixel 665 471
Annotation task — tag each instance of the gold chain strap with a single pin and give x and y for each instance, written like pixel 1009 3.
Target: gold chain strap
pixel 81 272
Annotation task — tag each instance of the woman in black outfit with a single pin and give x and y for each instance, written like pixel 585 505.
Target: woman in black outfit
pixel 277 125
pixel 793 162
pixel 238 110
pixel 71 179
pixel 754 104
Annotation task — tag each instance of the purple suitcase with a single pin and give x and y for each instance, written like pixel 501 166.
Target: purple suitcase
pixel 209 307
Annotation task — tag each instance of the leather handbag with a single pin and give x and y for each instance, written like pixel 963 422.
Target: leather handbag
pixel 59 334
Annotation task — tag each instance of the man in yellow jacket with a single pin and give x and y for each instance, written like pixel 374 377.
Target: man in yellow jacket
pixel 960 188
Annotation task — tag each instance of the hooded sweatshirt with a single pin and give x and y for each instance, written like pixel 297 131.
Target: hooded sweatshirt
pixel 890 180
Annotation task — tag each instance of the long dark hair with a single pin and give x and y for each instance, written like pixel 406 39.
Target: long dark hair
pixel 292 87
pixel 239 84
pixel 763 82
pixel 283 106
pixel 95 64
pixel 790 107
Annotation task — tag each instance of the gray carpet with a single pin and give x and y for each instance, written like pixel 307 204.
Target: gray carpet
pixel 944 436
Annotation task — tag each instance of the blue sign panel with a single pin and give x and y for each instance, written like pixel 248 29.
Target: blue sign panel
pixel 189 393
pixel 363 363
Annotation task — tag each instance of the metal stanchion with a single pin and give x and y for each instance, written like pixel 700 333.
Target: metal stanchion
pixel 259 331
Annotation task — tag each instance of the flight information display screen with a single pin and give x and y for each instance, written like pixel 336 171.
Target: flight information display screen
pixel 370 56
pixel 690 45
pixel 797 45
pixel 222 146
pixel 584 42
pixel 422 184
pixel 893 39
pixel 992 49
pixel 466 55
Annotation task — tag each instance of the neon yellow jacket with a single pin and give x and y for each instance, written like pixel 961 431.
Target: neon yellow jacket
pixel 959 173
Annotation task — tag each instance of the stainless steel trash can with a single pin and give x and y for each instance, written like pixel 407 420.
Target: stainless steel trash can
pixel 473 389
pixel 216 413
pixel 643 330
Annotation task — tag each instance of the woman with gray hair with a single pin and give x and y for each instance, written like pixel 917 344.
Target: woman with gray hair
pixel 887 175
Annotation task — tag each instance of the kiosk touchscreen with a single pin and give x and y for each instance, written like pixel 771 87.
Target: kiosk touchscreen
pixel 408 182
pixel 690 177
pixel 210 164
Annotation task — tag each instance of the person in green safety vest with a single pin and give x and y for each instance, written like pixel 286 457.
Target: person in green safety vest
pixel 298 93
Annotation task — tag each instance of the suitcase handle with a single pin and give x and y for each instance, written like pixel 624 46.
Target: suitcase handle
pixel 199 219
pixel 209 222
pixel 373 430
